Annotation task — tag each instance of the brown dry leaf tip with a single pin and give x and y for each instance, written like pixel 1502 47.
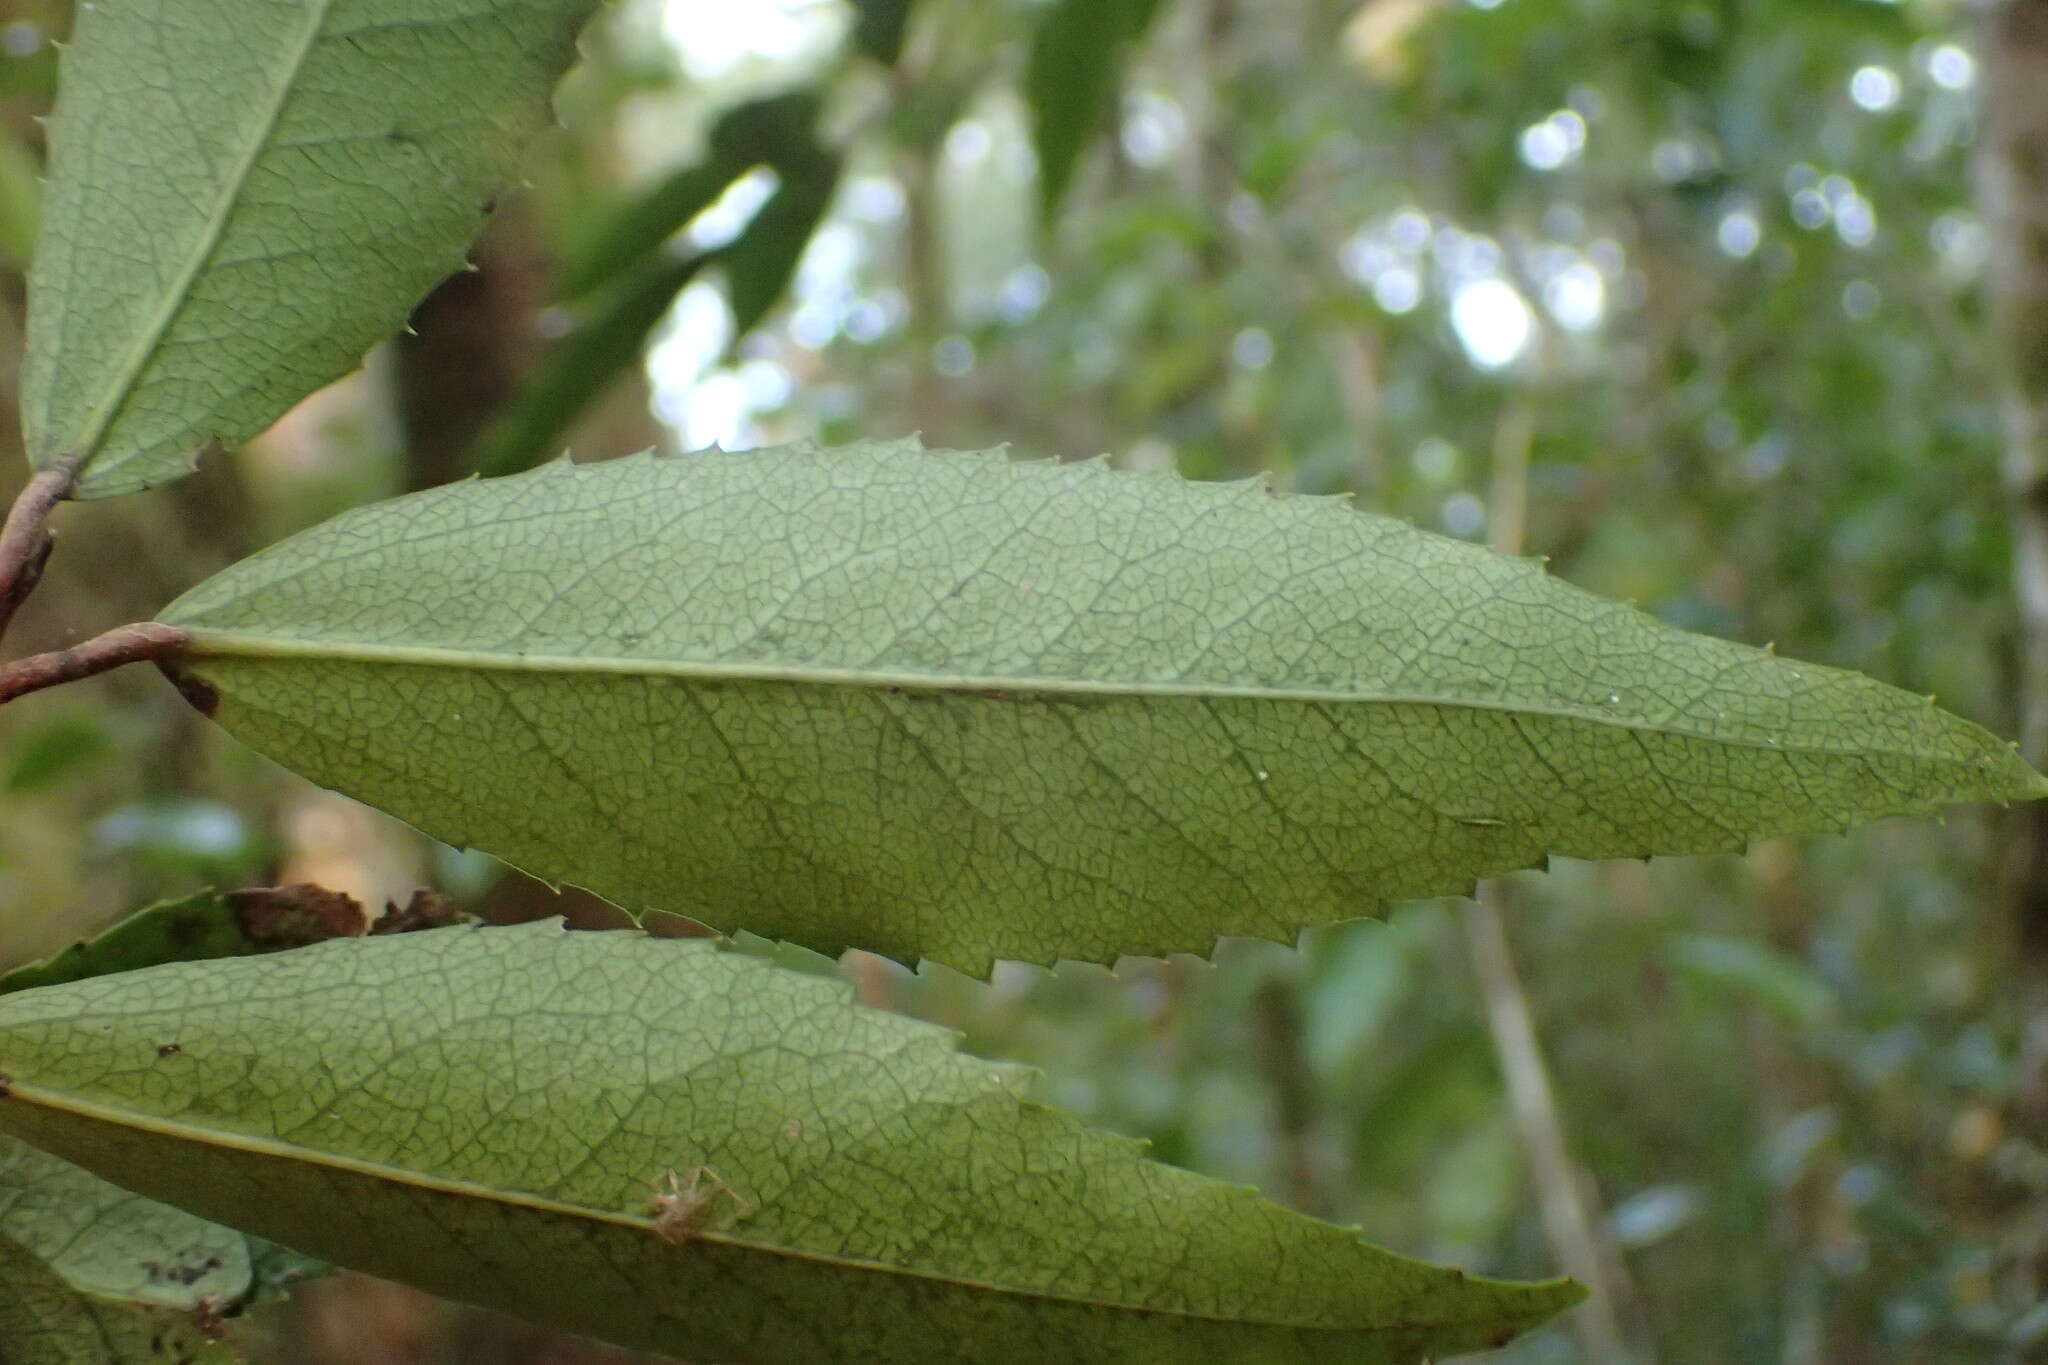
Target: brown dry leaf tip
pixel 293 916
pixel 682 1205
pixel 427 909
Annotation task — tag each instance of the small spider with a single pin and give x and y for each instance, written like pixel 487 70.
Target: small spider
pixel 682 1203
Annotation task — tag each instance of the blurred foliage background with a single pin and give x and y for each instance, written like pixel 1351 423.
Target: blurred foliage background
pixel 1699 298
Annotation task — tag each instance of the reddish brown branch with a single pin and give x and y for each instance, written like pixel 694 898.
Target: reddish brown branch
pixel 25 540
pixel 122 645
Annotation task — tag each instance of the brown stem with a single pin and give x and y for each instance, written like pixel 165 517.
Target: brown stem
pixel 1570 1209
pixel 25 541
pixel 1571 1222
pixel 121 645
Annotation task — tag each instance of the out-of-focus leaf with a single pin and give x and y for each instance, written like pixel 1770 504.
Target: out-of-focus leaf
pixel 21 201
pixel 117 1245
pixel 872 1194
pixel 956 706
pixel 645 224
pixel 188 930
pixel 44 1321
pixel 246 194
pixel 91 1274
pixel 878 27
pixel 50 750
pixel 594 354
pixel 1072 80
pixel 777 132
pixel 215 924
pixel 1780 983
pixel 759 264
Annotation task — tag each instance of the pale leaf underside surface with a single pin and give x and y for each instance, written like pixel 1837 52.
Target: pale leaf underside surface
pixel 91 1274
pixel 45 1321
pixel 487 1114
pixel 246 194
pixel 960 707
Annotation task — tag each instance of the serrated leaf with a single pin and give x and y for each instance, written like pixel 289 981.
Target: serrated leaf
pixel 487 1114
pixel 965 708
pixel 91 1274
pixel 246 194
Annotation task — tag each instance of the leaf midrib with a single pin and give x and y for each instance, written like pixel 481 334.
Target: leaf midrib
pixel 104 412
pixel 1018 687
pixel 56 1101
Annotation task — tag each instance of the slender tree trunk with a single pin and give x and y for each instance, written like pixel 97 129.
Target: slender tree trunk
pixel 2013 192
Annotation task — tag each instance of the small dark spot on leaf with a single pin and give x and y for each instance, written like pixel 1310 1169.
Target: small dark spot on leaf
pixel 168 1049
pixel 181 1274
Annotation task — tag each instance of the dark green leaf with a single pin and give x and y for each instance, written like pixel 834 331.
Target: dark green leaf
pixel 1073 81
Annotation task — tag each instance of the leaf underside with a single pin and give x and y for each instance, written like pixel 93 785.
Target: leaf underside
pixel 486 1114
pixel 44 1321
pixel 246 194
pixel 960 707
pixel 92 1274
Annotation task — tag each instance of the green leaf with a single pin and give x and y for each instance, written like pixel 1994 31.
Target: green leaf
pixel 1072 81
pixel 191 929
pixel 92 1274
pixel 963 707
pixel 246 194
pixel 44 1321
pixel 622 243
pixel 1781 983
pixel 490 1114
pixel 105 1241
pixel 776 132
pixel 630 265
pixel 607 343
pixel 213 924
pixel 759 264
pixel 878 27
